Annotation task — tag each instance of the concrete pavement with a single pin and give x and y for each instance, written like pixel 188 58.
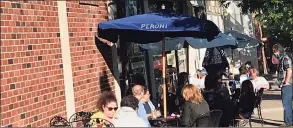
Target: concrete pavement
pixel 272 110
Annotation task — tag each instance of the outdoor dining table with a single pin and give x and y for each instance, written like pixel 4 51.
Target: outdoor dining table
pixel 165 122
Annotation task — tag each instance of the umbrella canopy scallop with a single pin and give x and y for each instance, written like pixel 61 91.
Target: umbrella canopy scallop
pixel 153 27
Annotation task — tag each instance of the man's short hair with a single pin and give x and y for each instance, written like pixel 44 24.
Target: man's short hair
pixel 254 70
pixel 137 90
pixel 130 101
pixel 278 47
pixel 248 63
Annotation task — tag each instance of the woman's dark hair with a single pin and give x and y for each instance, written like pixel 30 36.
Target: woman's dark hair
pixel 130 101
pixel 105 98
pixel 242 70
pixel 183 79
pixel 212 82
pixel 248 63
pixel 247 87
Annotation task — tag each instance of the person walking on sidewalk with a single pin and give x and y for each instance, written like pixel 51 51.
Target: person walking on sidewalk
pixel 285 75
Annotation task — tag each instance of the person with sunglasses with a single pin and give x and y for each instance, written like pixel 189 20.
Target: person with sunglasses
pixel 248 65
pixel 106 106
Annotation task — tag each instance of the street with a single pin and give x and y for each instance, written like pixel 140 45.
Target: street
pixel 272 110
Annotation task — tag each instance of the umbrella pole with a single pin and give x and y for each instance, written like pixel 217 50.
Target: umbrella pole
pixel 164 77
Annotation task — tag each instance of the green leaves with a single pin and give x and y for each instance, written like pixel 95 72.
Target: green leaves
pixel 276 16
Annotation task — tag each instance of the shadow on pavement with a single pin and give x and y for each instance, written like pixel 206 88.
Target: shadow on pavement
pixel 271 97
pixel 265 122
pixel 274 120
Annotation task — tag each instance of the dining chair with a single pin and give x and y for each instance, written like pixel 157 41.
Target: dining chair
pixel 58 121
pixel 209 119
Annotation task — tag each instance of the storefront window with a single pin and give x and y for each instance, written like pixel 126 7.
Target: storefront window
pixel 137 64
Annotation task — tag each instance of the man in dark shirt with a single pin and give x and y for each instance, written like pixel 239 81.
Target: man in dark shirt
pixel 285 75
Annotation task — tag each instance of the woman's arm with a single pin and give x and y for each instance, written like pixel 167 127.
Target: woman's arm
pixel 185 117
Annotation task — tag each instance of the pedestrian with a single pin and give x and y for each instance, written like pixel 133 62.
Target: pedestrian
pixel 285 75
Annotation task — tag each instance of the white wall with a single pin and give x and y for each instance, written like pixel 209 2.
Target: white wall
pixel 233 20
pixel 237 21
pixel 214 12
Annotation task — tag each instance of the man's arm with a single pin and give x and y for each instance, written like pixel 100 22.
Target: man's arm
pixel 142 113
pixel 288 75
pixel 288 69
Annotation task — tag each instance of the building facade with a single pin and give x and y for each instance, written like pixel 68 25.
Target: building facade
pixel 226 19
pixel 50 63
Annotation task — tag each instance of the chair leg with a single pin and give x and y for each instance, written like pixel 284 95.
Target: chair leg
pixel 249 123
pixel 260 115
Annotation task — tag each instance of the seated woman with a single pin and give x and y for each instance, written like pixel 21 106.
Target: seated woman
pixel 148 105
pixel 218 98
pixel 106 107
pixel 171 100
pixel 183 79
pixel 194 105
pixel 247 100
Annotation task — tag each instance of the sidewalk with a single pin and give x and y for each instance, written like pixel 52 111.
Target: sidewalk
pixel 272 110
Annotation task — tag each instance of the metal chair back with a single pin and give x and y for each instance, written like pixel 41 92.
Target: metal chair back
pixel 259 95
pixel 209 119
pixel 99 122
pixel 80 119
pixel 58 121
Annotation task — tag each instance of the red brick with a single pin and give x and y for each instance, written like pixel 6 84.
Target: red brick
pixel 44 75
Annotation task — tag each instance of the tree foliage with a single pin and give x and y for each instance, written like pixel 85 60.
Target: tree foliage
pixel 276 16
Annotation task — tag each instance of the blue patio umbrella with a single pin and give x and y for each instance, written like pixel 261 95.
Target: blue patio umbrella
pixel 244 41
pixel 178 43
pixel 154 27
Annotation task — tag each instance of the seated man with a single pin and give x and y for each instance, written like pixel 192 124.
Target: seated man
pixel 138 92
pixel 148 105
pixel 127 115
pixel 258 81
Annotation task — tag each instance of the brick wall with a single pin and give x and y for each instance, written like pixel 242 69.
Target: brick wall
pixel 90 71
pixel 32 81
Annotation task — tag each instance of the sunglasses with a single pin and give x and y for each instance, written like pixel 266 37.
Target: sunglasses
pixel 111 108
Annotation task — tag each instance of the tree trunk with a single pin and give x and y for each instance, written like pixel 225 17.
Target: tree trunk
pixel 265 70
pixel 264 60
